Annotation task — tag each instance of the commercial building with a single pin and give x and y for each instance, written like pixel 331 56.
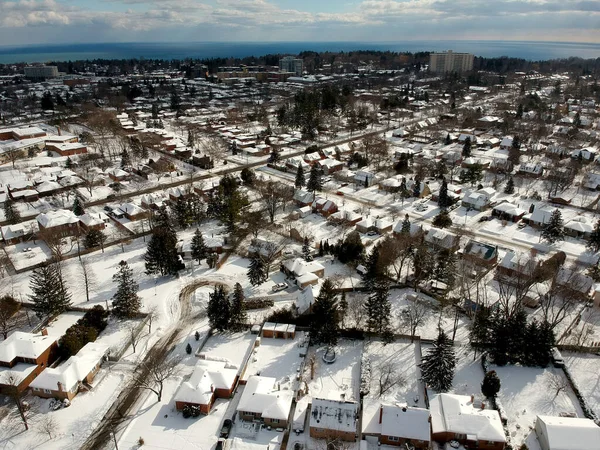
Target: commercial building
pixel 291 64
pixel 450 62
pixel 41 72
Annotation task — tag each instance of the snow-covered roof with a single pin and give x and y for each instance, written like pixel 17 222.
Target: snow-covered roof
pixel 74 370
pixel 24 345
pixel 568 433
pixel 541 215
pixel 456 414
pixel 300 267
pixel 405 422
pixel 92 220
pixel 56 218
pixel 510 209
pixel 131 209
pixel 262 396
pixel 333 415
pixel 208 375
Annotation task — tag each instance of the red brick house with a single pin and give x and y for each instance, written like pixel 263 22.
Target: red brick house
pixel 400 426
pixel 209 381
pixel 333 419
pixel 66 148
pixel 60 222
pixel 263 401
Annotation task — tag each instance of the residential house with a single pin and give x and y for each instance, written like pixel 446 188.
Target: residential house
pixel 325 207
pixel 534 169
pixel 330 166
pixel 66 380
pixel 578 284
pixel 539 217
pixel 209 381
pixel 263 400
pixel 364 178
pixel 24 356
pixel 516 264
pixel 438 238
pixel 592 181
pixel 401 426
pixel 457 418
pixel 117 174
pixel 67 148
pixel 134 212
pixel 153 201
pixel 21 232
pixel 381 226
pixel 567 433
pixel 480 253
pixel 579 227
pixel 508 211
pixel 349 217
pixel 95 221
pixel 333 419
pixel 278 330
pixel 424 189
pixel 585 154
pixel 506 143
pixel 479 200
pixel 305 273
pixel 303 198
pixel 61 223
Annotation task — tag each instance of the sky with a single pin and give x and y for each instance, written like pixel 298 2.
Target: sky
pixel 85 21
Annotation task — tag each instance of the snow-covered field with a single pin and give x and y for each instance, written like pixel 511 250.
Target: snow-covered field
pixel 585 369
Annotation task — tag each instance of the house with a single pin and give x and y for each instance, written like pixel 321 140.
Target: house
pixel 304 272
pixel 585 154
pixel 59 223
pixel 67 148
pixel 203 161
pixel 506 143
pixel 21 232
pixel 456 418
pixel 579 227
pixel 479 200
pixel 349 217
pixel 578 284
pixel 381 226
pixel 134 212
pixel 209 381
pixel 333 419
pixel 330 166
pixel 326 207
pixel 24 356
pixel 96 221
pixel 364 178
pixel 480 253
pixel 153 201
pixel 531 168
pixel 567 433
pixel 263 400
pixel 517 264
pixel 66 380
pixel 303 198
pixel 592 181
pixel 401 426
pixel 539 217
pixel 118 174
pixel 441 239
pixel 508 211
pixel 424 189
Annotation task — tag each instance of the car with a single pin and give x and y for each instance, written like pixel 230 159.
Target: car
pixel 371 233
pixel 226 428
pixel 521 225
pixel 220 444
pixel 279 287
pixel 484 218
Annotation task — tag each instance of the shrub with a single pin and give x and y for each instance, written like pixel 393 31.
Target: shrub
pixel 188 349
pixel 85 330
pixel 141 441
pixel 491 384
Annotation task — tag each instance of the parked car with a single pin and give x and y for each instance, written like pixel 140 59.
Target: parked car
pixel 485 218
pixel 371 233
pixel 226 428
pixel 279 287
pixel 521 225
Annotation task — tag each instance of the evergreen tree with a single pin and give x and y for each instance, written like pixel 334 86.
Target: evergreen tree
pixel 314 181
pixel 514 153
pixel 437 367
pixel 238 309
pixel 126 301
pixel 594 240
pixel 510 186
pixel 11 213
pixel 77 208
pixel 161 255
pixel 47 101
pixel 447 141
pixel 218 310
pixel 191 141
pixel 491 384
pixel 343 307
pixel 324 322
pixel 300 181
pixel 466 150
pixel 519 114
pixel 273 156
pixel 405 225
pixel 553 231
pixel 417 187
pixel 404 192
pixel 379 309
pixel 445 268
pixel 373 273
pixel 50 296
pixel 256 271
pixel 69 163
pixel 442 220
pixel 188 349
pixel 351 249
pixel 125 159
pixel 307 250
pixel 183 213
pixel 199 249
pixel 93 238
pixel 443 198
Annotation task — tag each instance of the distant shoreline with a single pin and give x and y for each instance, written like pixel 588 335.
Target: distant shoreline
pixel 529 50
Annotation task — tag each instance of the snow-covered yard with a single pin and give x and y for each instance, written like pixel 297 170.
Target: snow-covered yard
pixel 585 369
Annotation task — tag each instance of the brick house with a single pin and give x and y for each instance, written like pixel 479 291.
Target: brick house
pixel 67 148
pixel 60 222
pixel 263 400
pixel 333 419
pixel 480 253
pixel 401 426
pixel 24 355
pixel 209 381
pixel 65 381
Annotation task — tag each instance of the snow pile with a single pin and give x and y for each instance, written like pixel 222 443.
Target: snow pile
pixel 365 376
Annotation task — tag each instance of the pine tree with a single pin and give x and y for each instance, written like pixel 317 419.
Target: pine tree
pixel 11 213
pixel 404 192
pixel 554 231
pixel 491 384
pixel 50 296
pixel 256 271
pixel 125 159
pixel 93 238
pixel 445 268
pixel 443 198
pixel 519 114
pixel 437 367
pixel 218 310
pixel 161 255
pixel 274 156
pixel 447 141
pixel 300 181
pixel 405 225
pixel 510 186
pixel 373 272
pixel 188 349
pixel 594 240
pixel 379 309
pixel 417 187
pixel 199 249
pixel 324 323
pixel 514 153
pixel 466 150
pixel 314 181
pixel 238 314
pixel 182 211
pixel 191 141
pixel 442 220
pixel 307 250
pixel 126 301
pixel 77 208
pixel 69 163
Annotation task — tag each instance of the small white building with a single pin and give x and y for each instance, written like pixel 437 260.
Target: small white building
pixel 567 433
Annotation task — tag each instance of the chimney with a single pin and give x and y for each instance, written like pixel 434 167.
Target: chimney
pixel 212 388
pixel 380 413
pixel 482 405
pixel 58 131
pixel 60 386
pixel 472 399
pixel 44 331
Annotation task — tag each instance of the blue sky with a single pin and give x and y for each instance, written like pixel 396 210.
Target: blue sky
pixel 73 21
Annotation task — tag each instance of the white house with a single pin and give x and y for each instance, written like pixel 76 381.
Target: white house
pixel 567 433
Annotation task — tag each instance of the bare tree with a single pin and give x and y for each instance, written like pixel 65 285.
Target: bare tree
pixel 272 196
pixel 356 310
pixel 389 377
pixel 413 317
pixel 88 278
pixel 134 335
pixel 14 155
pixel 268 253
pixel 213 147
pixel 152 315
pixel 58 245
pixel 12 382
pixel 9 308
pixel 557 384
pixel 151 375
pixel 48 425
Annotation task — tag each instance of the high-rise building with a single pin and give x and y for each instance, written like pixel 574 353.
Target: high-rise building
pixel 41 72
pixel 450 62
pixel 291 64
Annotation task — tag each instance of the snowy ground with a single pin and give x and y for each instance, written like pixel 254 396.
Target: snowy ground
pixel 585 369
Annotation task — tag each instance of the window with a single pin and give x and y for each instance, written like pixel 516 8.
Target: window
pixel 459 436
pixel 47 391
pixel 274 420
pixel 393 438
